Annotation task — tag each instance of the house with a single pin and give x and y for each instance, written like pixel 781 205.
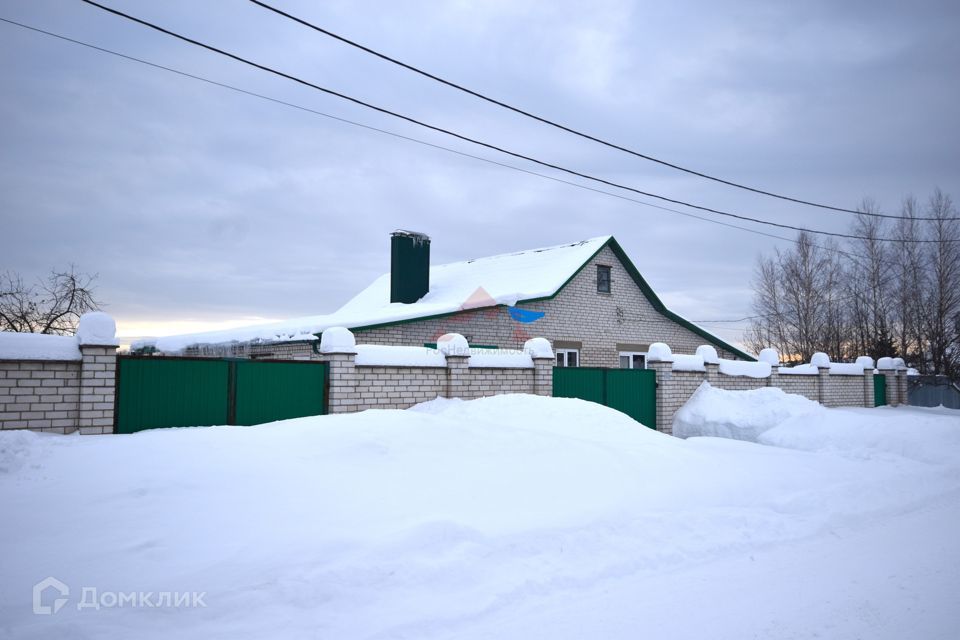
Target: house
pixel 586 297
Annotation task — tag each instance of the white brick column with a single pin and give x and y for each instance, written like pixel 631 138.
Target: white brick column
pixel 823 380
pixel 713 372
pixel 890 381
pixel 543 376
pixel 663 371
pixel 774 379
pixel 98 371
pixel 342 394
pixel 458 368
pixel 868 396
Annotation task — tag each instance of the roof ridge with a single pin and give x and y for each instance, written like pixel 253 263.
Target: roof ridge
pixel 510 254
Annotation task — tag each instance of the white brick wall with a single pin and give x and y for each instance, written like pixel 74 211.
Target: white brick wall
pixel 357 388
pixel 60 397
pixel 674 388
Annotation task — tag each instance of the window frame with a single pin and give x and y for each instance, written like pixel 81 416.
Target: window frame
pixel 608 270
pixel 631 355
pixel 566 358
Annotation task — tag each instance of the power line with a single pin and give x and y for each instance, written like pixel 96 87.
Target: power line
pixel 414 140
pixel 473 140
pixel 715 323
pixel 557 125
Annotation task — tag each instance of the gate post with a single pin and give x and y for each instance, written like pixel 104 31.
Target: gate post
pixel 458 368
pixel 96 335
pixel 542 355
pixel 868 396
pixel 338 349
pixel 543 376
pixel 660 359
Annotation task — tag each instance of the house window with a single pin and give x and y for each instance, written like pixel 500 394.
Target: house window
pixel 568 358
pixel 603 279
pixel 633 360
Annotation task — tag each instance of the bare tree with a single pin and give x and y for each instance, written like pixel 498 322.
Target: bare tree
pixel 797 297
pixel 52 305
pixel 879 299
pixel 911 283
pixel 942 304
pixel 870 284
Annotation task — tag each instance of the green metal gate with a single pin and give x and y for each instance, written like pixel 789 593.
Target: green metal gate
pixel 156 392
pixel 879 390
pixel 631 391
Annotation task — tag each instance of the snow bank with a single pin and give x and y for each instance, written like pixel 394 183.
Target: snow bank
pixel 800 370
pixel 874 433
pixel 820 360
pixel 387 356
pixel 37 346
pixel 740 415
pixel 886 363
pixel 865 361
pixel 499 359
pixel 507 517
pixel 97 328
pixel 744 368
pixel 846 368
pixel 94 328
pixel 688 363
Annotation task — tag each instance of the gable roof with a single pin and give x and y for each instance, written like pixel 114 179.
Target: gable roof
pixel 505 279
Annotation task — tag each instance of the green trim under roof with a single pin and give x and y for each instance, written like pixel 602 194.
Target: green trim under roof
pixel 638 280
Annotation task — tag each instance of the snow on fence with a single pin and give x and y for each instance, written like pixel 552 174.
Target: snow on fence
pixel 60 383
pixel 386 377
pixel 830 384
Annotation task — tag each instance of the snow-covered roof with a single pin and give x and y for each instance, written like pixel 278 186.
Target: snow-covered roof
pixel 502 279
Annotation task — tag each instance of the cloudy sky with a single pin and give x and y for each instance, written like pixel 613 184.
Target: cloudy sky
pixel 200 207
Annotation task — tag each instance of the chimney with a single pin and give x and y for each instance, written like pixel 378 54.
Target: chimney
pixel 409 266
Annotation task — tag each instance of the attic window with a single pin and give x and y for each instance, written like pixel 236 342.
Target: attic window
pixel 603 279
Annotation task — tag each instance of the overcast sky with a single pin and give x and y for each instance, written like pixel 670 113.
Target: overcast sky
pixel 199 207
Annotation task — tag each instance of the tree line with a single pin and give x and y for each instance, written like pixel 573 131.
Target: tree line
pixel 867 296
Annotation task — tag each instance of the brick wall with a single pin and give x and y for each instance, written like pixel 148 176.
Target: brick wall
pixel 355 387
pixel 806 386
pixel 674 388
pixel 60 396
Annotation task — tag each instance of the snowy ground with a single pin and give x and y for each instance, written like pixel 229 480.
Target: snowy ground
pixel 508 517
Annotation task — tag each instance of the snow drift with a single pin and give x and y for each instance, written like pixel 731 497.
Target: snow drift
pixel 510 516
pixel 741 415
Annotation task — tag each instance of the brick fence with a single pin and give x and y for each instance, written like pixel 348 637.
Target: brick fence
pixel 72 387
pixel 379 382
pixel 60 384
pixel 832 385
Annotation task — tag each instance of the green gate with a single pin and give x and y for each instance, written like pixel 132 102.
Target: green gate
pixel 631 391
pixel 268 391
pixel 879 390
pixel 156 392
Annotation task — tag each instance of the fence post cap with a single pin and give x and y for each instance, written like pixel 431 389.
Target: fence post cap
pixel 338 340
